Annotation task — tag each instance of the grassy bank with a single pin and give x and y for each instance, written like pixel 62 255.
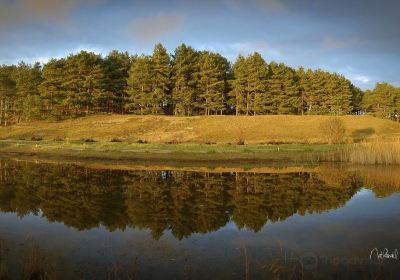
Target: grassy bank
pixel 171 153
pixel 182 140
pixel 200 130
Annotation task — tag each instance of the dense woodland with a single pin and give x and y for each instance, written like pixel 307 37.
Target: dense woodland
pixel 186 83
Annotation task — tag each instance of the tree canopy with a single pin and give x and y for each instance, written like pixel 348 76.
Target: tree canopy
pixel 187 82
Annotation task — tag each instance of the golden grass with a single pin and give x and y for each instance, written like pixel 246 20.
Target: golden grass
pixel 211 129
pixel 377 152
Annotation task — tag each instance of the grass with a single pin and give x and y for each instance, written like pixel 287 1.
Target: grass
pixel 274 129
pixel 120 151
pixel 212 138
pixel 377 152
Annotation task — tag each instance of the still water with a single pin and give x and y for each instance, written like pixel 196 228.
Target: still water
pixel 70 221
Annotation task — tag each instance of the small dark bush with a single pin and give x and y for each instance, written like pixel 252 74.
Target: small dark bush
pixel 140 141
pixel 210 143
pixel 88 140
pixel 115 140
pixel 36 138
pixel 240 142
pixel 172 142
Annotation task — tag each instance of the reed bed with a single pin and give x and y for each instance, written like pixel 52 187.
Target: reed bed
pixel 377 152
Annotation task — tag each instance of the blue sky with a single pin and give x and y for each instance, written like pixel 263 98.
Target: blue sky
pixel 357 38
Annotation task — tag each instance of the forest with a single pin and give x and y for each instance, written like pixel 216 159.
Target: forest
pixel 185 83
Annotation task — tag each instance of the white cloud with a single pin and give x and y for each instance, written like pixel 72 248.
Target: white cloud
pixel 22 12
pixel 232 50
pixel 265 5
pixel 334 43
pixel 152 28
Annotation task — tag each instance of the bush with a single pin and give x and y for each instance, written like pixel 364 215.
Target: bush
pixel 115 140
pixel 88 140
pixel 334 130
pixel 140 141
pixel 36 138
pixel 173 142
pixel 240 137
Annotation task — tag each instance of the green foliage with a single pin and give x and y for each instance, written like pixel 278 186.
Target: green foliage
pixel 383 101
pixel 116 67
pixel 189 83
pixel 140 86
pixel 212 83
pixel 185 69
pixel 162 79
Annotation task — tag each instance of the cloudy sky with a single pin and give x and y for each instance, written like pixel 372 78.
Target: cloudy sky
pixel 357 38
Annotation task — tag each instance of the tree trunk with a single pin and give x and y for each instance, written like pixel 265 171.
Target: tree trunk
pixel 247 104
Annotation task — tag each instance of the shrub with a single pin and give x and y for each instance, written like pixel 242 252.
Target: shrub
pixel 140 141
pixel 334 130
pixel 88 140
pixel 240 137
pixel 115 140
pixel 172 142
pixel 36 138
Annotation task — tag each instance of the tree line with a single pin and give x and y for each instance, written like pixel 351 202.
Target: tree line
pixel 187 83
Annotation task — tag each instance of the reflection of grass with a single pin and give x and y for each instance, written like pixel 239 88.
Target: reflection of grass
pixel 36 265
pixel 3 269
pixel 383 181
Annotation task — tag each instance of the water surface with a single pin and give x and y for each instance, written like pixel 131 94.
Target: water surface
pixel 73 221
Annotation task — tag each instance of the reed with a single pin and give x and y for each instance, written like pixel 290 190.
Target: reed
pixel 377 152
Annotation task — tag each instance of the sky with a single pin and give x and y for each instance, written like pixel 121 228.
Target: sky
pixel 357 38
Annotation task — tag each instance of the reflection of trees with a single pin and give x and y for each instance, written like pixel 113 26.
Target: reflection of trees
pixel 183 202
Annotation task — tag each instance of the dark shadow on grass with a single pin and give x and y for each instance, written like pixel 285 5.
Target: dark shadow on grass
pixel 362 134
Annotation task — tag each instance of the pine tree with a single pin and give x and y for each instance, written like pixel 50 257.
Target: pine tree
pixel 257 74
pixel 140 86
pixel 50 88
pixel 7 93
pixel 239 91
pixel 383 101
pixel 212 82
pixel 82 80
pixel 185 76
pixel 284 94
pixel 303 88
pixel 28 103
pixel 161 79
pixel 316 94
pixel 116 67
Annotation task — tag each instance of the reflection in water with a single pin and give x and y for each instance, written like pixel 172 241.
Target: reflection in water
pixel 177 224
pixel 183 202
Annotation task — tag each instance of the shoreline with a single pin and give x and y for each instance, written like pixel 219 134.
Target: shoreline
pixel 170 154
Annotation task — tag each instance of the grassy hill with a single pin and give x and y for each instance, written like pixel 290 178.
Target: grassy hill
pixel 201 129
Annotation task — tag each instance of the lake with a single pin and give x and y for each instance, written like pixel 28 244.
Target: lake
pixel 77 221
